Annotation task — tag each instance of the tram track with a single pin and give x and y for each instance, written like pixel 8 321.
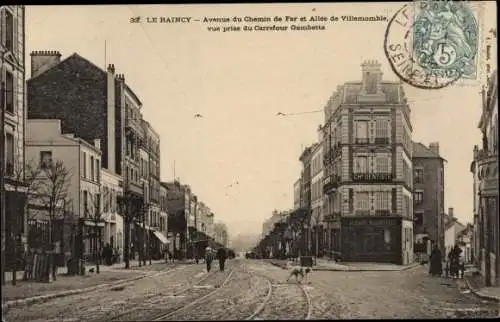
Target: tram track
pixel 282 300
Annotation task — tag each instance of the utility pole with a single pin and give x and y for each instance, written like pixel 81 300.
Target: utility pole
pixel 2 176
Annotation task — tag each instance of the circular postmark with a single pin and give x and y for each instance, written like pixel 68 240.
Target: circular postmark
pixel 432 44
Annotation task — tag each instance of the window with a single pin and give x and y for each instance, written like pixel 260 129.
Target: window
pixel 84 159
pixel 85 203
pixel 92 168
pixel 382 163
pixel 363 201
pixel 9 92
pixel 382 131
pixel 418 197
pixel 97 204
pixel 361 131
pixel 360 164
pixel 45 158
pixel 98 170
pixel 419 218
pixel 9 30
pixel 9 154
pixel 418 175
pixel 382 200
pixel 107 199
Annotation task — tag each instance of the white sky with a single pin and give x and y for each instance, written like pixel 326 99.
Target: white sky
pixel 239 81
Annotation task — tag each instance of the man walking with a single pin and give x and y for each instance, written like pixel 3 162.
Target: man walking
pixel 221 256
pixel 208 258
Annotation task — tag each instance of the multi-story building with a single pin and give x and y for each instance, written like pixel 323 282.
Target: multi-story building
pixel 150 173
pixel 306 232
pixel 210 224
pixel 99 105
pixel 368 169
pixel 179 207
pixel 164 215
pixel 74 188
pixel 113 220
pixel 428 194
pixel 12 29
pixel 317 195
pixel 486 238
pixel 485 169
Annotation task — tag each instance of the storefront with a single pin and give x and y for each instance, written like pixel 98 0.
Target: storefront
pixel 369 239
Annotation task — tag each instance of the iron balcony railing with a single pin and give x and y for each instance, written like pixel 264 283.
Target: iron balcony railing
pixel 361 141
pixel 372 177
pixel 330 183
pixel 382 140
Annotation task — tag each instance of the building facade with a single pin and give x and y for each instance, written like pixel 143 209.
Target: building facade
pixel 113 220
pixel 179 207
pixel 164 216
pixel 452 230
pixel 368 169
pixel 78 202
pixel 306 198
pixel 485 170
pixel 317 195
pixel 99 105
pixel 12 28
pixel 428 194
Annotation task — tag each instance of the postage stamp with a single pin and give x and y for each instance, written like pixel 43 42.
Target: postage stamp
pixel 432 44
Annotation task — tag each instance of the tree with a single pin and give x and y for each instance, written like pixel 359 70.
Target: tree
pixel 297 222
pixel 94 212
pixel 131 212
pixel 53 193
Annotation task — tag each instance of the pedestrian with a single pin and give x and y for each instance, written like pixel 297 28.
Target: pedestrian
pixel 435 266
pixel 107 253
pixel 208 258
pixel 221 256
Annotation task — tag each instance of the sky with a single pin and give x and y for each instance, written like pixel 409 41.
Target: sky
pixel 238 81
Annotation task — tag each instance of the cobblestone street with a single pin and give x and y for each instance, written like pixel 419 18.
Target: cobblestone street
pixel 256 290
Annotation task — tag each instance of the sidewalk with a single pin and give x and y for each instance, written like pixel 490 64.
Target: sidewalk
pixel 25 292
pixel 476 286
pixel 330 265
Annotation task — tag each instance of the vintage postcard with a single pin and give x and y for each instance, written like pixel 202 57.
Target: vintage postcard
pixel 249 161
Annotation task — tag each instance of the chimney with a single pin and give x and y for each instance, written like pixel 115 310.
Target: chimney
pixel 111 121
pixel 434 147
pixel 320 134
pixel 450 212
pixel 97 143
pixel 41 60
pixel 372 77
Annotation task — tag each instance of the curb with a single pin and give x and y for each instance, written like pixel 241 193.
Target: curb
pixel 478 293
pixel 47 297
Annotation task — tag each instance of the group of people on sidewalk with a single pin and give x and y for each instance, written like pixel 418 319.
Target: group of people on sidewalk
pixel 454 264
pixel 211 254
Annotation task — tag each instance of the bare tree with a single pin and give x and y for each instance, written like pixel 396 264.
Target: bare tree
pixel 24 180
pixel 53 194
pixel 94 212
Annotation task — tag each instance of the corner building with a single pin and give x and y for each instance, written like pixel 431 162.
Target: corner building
pixel 368 170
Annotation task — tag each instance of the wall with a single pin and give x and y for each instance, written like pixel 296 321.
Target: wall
pixel 75 91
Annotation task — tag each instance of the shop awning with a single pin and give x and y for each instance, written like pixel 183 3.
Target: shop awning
pixel 161 237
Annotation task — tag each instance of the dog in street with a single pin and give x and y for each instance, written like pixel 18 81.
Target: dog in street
pixel 300 273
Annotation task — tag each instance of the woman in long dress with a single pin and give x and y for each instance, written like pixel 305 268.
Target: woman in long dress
pixel 435 267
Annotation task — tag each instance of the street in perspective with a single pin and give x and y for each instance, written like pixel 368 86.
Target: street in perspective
pixel 249 162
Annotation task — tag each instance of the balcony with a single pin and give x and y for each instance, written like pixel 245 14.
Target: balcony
pixel 371 177
pixel 382 212
pixel 331 183
pixel 382 141
pixel 361 141
pixel 487 170
pixel 133 126
pixel 332 217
